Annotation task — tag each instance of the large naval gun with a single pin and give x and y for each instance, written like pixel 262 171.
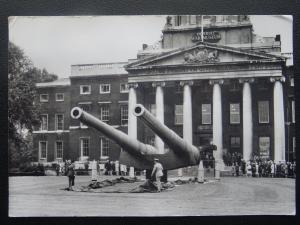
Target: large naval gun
pixel 139 155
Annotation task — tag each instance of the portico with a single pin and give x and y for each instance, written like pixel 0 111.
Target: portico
pixel 190 75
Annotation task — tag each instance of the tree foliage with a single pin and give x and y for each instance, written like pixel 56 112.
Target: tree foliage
pixel 23 111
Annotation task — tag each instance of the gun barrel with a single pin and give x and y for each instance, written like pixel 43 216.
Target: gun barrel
pixel 129 144
pixel 175 142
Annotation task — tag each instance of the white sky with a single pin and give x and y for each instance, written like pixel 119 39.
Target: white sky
pixel 56 43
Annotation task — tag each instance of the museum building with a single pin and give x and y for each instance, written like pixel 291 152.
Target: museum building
pixel 210 79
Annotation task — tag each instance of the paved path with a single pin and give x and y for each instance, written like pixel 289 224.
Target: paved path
pixel 42 196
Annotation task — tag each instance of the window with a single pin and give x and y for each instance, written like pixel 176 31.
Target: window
pixel 104 88
pixel 152 109
pixel 206 20
pixel 44 97
pixel 293 111
pixel 234 113
pixel 43 149
pixel 124 115
pixel 85 89
pixel 59 97
pixel 235 142
pixel 177 20
pixel 104 113
pixel 59 149
pixel 206 113
pixel 192 19
pixel 85 146
pixel 104 143
pixel 264 147
pixel 263 112
pixel 59 121
pixel 124 88
pixel 87 108
pixel 292 82
pixel 44 122
pixel 178 114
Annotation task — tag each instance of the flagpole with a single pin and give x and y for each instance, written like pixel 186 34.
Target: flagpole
pixel 202 28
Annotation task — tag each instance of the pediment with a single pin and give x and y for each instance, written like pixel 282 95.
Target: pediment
pixel 202 54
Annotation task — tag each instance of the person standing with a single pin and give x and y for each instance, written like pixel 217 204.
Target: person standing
pixel 158 172
pixel 260 169
pixel 71 175
pixel 243 165
pixel 233 169
pixel 237 169
pixel 272 169
pixel 249 169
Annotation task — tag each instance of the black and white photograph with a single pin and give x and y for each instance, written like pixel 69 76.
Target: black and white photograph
pixel 151 116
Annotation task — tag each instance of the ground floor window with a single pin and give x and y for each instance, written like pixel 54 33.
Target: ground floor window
pixel 43 149
pixel 264 147
pixel 85 146
pixel 104 147
pixel 59 149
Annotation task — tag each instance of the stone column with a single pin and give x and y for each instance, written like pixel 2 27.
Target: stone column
pixel 247 119
pixel 132 120
pixel 187 111
pixel 279 129
pixel 159 101
pixel 217 120
pixel 187 114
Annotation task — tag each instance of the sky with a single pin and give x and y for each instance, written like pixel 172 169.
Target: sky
pixel 57 42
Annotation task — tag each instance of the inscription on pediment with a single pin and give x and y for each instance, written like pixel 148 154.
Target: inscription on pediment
pixel 201 56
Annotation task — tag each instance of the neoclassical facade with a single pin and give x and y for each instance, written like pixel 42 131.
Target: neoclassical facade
pixel 210 79
pixel 232 85
pixel 228 67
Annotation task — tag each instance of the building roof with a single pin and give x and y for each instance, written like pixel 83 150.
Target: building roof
pixel 100 69
pixel 146 61
pixel 55 83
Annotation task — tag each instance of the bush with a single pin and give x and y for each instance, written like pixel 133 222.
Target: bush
pixel 32 168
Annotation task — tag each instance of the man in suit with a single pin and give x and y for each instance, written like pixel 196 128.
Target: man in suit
pixel 71 175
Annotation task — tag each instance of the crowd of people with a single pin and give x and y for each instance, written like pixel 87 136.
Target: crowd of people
pixel 259 167
pixel 113 168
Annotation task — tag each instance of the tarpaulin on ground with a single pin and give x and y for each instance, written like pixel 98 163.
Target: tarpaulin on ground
pixel 127 185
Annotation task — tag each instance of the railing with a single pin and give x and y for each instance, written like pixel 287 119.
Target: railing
pixel 96 68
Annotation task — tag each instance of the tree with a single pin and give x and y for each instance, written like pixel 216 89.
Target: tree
pixel 23 112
